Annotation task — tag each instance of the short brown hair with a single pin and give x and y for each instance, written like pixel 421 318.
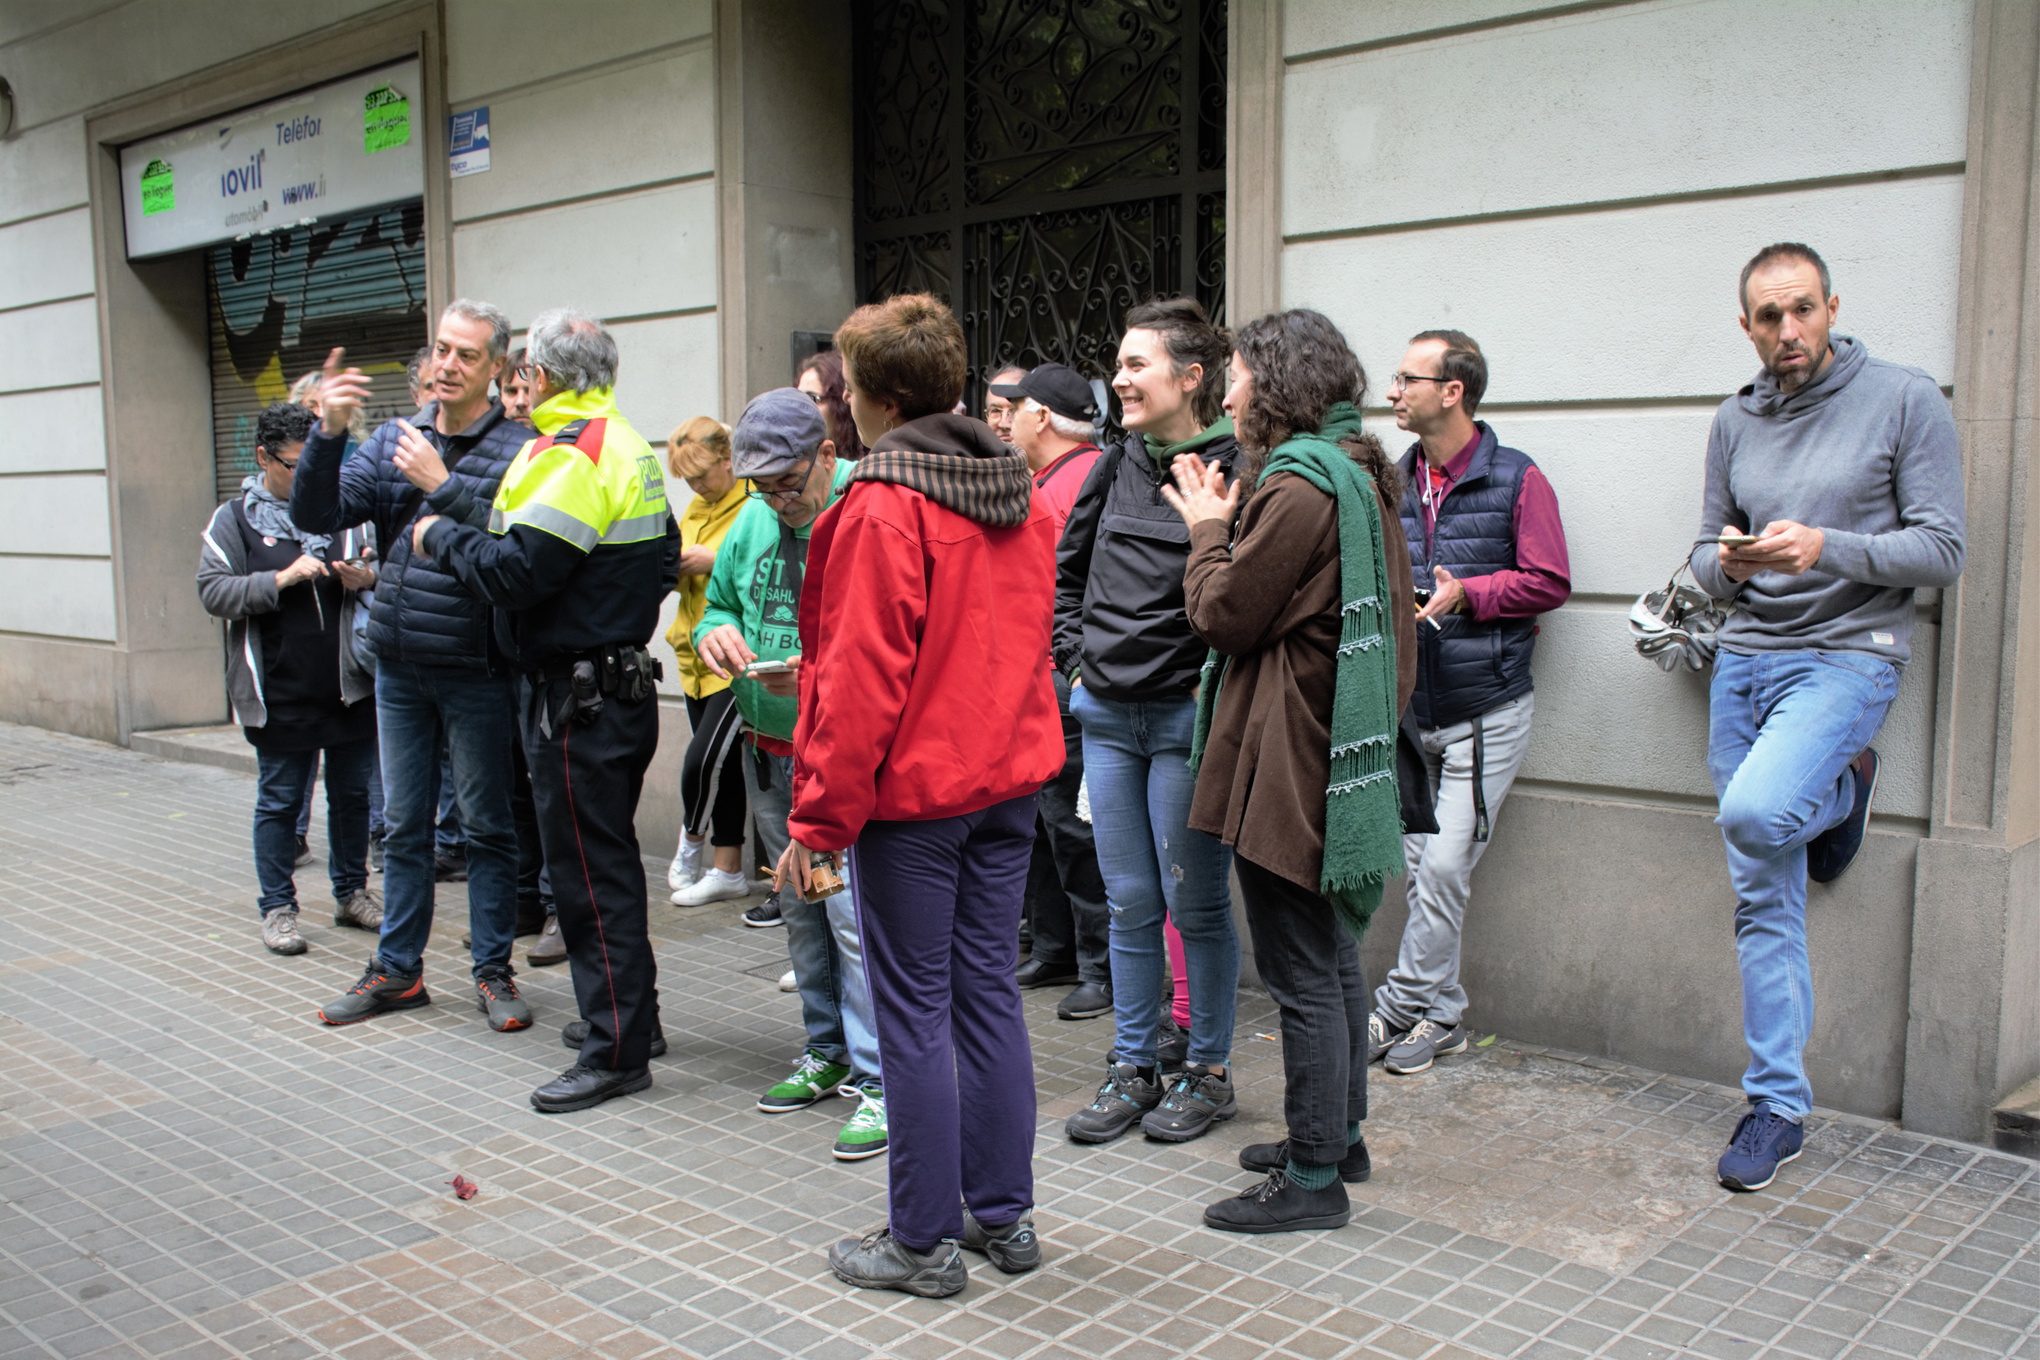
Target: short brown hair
pixel 1463 363
pixel 1784 250
pixel 697 445
pixel 908 351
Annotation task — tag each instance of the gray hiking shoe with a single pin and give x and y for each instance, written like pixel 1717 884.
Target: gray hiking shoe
pixel 1014 1248
pixel 879 1262
pixel 363 910
pixel 280 932
pixel 1429 1040
pixel 1122 1099
pixel 1199 1099
pixel 1380 1037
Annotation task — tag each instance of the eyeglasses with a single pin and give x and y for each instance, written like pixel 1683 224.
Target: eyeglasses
pixel 784 495
pixel 1405 379
pixel 523 372
pixel 287 464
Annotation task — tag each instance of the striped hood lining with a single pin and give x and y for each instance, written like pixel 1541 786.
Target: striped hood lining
pixel 959 464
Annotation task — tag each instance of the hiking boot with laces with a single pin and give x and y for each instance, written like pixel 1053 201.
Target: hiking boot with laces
pixel 864 1135
pixel 1426 1042
pixel 1279 1204
pixel 280 932
pixel 1013 1248
pixel 362 910
pixel 378 991
pixel 812 1078
pixel 1381 1036
pixel 1199 1099
pixel 496 997
pixel 1354 1167
pixel 1123 1098
pixel 1764 1141
pixel 880 1261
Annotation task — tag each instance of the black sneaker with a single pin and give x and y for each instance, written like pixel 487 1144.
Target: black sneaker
pixel 1172 1048
pixel 449 866
pixel 1124 1098
pixel 1014 1248
pixel 1089 1001
pixel 581 1088
pixel 1278 1204
pixel 880 1262
pixel 304 852
pixel 1354 1167
pixel 378 991
pixel 1834 849
pixel 575 1033
pixel 1040 973
pixel 496 997
pixel 1199 1099
pixel 765 915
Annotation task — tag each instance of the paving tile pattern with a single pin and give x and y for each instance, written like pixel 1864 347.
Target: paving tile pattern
pixel 190 1165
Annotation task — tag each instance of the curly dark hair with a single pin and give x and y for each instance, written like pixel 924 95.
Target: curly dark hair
pixel 1302 366
pixel 835 402
pixel 282 424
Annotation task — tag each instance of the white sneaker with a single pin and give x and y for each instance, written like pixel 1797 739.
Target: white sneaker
pixel 713 886
pixel 686 866
pixel 788 982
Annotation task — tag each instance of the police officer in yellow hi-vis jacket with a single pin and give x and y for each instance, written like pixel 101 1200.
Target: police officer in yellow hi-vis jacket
pixel 580 553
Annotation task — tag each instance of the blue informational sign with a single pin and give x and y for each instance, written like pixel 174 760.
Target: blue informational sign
pixel 467 142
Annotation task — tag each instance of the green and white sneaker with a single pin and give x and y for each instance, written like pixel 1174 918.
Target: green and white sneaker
pixel 864 1135
pixel 809 1081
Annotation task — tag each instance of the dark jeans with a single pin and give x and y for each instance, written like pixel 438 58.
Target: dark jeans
pixel 938 903
pixel 585 782
pixel 417 708
pixel 712 775
pixel 534 884
pixel 447 833
pixel 281 783
pixel 1311 968
pixel 1065 891
pixel 375 813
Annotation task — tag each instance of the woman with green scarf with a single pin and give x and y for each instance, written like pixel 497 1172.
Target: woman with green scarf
pixel 1310 617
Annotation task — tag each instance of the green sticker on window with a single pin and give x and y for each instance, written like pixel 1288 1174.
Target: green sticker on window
pixel 159 188
pixel 386 119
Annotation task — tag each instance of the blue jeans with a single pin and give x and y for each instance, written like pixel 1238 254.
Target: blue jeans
pixel 448 836
pixel 416 708
pixel 1137 766
pixel 823 939
pixel 282 784
pixel 1783 727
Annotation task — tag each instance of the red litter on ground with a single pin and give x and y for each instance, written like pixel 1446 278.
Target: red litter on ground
pixel 463 1188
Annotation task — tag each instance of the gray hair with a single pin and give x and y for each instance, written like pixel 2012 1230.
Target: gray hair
pixel 576 351
pixel 491 316
pixel 1080 430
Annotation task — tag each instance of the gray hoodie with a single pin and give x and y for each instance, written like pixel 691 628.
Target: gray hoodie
pixel 1867 454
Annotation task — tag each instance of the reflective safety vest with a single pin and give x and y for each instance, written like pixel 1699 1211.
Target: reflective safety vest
pixel 589 479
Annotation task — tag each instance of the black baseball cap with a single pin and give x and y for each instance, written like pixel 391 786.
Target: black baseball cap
pixel 1058 387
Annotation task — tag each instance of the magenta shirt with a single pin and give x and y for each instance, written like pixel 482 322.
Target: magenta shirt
pixel 1543 578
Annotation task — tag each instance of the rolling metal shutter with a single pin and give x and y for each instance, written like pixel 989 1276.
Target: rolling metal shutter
pixel 277 303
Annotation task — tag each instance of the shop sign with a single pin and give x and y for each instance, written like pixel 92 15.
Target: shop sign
pixel 467 142
pixel 322 152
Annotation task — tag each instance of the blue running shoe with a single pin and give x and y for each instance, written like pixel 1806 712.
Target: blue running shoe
pixel 1835 848
pixel 1763 1142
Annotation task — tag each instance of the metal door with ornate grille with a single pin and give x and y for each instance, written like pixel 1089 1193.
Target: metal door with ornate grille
pixel 1042 165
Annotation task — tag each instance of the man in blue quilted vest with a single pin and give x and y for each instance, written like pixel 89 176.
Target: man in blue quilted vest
pixel 1488 554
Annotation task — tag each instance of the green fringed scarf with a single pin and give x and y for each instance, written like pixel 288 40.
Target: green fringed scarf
pixel 1363 811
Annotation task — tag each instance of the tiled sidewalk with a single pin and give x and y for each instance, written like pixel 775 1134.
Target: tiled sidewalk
pixel 191 1165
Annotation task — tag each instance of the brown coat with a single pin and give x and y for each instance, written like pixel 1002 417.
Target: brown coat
pixel 1270 600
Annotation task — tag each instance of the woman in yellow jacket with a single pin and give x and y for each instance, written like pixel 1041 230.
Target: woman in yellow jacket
pixel 712 777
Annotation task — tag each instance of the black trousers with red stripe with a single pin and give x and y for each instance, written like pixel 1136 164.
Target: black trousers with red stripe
pixel 585 781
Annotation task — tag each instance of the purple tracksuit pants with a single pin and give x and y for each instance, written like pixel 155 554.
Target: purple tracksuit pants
pixel 939 906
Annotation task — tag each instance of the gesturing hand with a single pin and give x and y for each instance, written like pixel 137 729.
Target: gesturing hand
pixel 341 394
pixel 1448 598
pixel 1782 546
pixel 304 569
pixel 1200 492
pixel 418 460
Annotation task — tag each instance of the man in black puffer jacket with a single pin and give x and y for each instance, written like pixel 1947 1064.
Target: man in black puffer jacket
pixel 439 674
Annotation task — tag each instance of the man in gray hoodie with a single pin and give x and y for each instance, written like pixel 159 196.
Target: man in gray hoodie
pixel 1834 490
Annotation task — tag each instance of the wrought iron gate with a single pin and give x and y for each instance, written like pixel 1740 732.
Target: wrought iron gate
pixel 1041 165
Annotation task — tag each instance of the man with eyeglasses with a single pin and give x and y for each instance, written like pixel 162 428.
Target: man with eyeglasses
pixel 781 445
pixel 1488 554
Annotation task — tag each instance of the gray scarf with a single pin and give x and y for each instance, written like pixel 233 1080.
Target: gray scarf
pixel 271 517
